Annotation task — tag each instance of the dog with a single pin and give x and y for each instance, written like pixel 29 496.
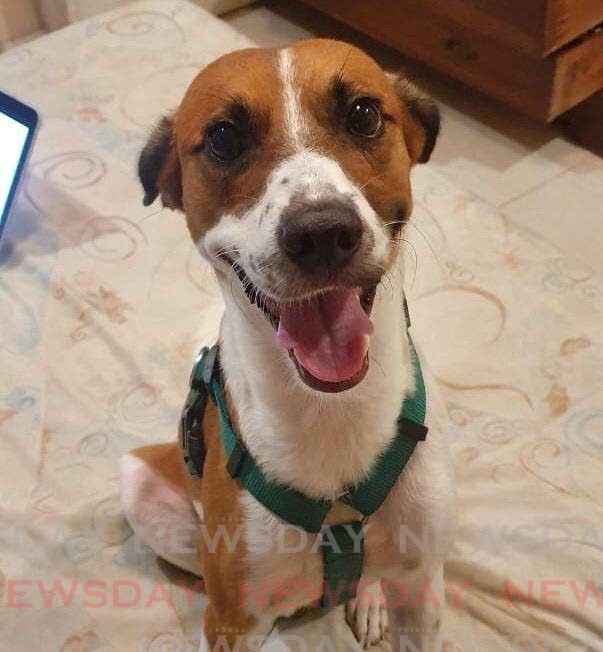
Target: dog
pixel 292 167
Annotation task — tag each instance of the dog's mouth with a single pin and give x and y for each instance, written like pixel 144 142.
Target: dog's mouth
pixel 325 334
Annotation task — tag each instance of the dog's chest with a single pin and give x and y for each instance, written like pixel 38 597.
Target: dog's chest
pixel 284 565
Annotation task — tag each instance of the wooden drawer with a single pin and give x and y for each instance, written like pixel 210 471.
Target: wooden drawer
pixel 541 87
pixel 584 123
pixel 567 19
pixel 536 27
pixel 577 72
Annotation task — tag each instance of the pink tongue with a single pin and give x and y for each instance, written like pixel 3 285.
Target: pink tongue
pixel 328 334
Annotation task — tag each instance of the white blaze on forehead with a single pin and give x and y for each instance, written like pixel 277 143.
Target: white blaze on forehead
pixel 294 121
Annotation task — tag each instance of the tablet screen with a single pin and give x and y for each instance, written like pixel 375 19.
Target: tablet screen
pixel 17 124
pixel 13 136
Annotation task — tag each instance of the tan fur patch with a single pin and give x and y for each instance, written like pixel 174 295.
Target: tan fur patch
pixel 249 77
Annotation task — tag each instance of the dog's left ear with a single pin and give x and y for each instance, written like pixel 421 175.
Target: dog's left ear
pixel 159 167
pixel 422 127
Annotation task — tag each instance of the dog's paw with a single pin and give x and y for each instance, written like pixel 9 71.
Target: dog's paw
pixel 367 616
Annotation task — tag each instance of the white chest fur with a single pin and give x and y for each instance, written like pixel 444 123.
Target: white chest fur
pixel 322 444
pixel 317 443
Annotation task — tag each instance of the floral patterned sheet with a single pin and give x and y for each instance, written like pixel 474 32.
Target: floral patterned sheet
pixel 104 303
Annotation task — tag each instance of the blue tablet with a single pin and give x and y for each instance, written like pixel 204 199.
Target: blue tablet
pixel 17 126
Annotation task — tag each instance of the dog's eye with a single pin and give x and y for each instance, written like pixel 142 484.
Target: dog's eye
pixel 364 118
pixel 224 141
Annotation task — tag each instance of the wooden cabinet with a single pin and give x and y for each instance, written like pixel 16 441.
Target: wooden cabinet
pixel 584 123
pixel 541 56
pixel 565 20
pixel 18 19
pixel 536 27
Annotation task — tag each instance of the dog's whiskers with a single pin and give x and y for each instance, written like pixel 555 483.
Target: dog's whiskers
pixel 234 296
pixel 387 277
pixel 415 259
pixel 428 243
pixel 392 223
pixel 374 361
pixel 267 265
pixel 256 199
pixel 224 251
pixel 373 178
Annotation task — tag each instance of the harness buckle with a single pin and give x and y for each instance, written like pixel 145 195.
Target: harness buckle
pixel 203 367
pixel 209 362
pixel 414 430
pixel 192 434
pixel 191 421
pixel 196 378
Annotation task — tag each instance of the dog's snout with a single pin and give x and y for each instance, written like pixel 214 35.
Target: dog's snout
pixel 321 237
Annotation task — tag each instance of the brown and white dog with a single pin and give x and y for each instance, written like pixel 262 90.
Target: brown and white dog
pixel 292 167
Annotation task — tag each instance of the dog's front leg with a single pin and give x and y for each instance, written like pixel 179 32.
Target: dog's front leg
pixel 235 633
pixel 415 606
pixel 366 614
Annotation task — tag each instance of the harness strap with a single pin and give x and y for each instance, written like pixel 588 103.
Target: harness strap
pixel 341 559
pixel 342 563
pixel 287 503
pixel 370 493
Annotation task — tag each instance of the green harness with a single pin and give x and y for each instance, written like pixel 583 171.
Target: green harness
pixel 342 545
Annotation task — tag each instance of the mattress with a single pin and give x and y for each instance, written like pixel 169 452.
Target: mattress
pixel 104 304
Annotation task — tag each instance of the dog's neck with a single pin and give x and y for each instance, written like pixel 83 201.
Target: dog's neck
pixel 320 444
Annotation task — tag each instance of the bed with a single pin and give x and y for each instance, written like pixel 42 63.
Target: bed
pixel 104 304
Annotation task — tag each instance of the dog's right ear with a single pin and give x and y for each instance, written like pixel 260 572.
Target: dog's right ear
pixel 423 126
pixel 159 167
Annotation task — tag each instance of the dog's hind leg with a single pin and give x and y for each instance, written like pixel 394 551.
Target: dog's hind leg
pixel 155 501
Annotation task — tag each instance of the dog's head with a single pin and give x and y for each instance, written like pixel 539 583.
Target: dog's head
pixel 292 167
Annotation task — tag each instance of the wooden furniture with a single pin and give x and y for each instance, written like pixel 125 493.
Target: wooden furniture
pixel 584 123
pixel 542 57
pixel 18 20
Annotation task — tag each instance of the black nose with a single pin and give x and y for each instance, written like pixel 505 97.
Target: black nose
pixel 321 237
